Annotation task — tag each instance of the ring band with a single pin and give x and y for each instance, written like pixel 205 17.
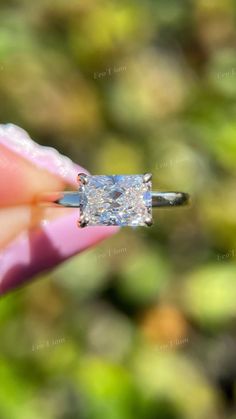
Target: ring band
pixel 123 200
pixel 73 199
pixel 169 199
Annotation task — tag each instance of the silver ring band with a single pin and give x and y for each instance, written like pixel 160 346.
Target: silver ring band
pixel 169 199
pixel 159 199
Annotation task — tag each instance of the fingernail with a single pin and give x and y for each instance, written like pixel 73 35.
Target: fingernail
pixel 18 141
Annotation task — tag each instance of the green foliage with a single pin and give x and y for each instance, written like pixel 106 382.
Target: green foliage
pixel 123 87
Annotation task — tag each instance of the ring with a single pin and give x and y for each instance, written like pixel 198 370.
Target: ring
pixel 122 200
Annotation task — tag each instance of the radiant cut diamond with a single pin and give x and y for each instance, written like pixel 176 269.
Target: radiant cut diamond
pixel 123 200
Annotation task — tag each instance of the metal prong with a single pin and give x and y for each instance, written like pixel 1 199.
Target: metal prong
pixel 83 222
pixel 82 179
pixel 147 177
pixel 148 221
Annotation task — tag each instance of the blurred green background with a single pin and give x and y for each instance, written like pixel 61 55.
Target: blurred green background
pixel 143 326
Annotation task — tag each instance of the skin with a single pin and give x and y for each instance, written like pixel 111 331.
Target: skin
pixel 33 237
pixel 17 212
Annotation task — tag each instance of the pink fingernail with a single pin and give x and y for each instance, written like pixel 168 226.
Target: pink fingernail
pixel 45 248
pixel 18 141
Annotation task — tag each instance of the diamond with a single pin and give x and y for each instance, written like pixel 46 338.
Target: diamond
pixel 123 200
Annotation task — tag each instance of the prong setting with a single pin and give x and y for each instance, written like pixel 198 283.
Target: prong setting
pixel 83 221
pixel 82 179
pixel 148 221
pixel 147 177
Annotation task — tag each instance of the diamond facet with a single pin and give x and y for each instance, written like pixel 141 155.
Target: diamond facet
pixel 123 200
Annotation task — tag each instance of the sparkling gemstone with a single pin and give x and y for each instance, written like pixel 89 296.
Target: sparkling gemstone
pixel 123 200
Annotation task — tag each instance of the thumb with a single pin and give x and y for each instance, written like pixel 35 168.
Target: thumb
pixel 29 170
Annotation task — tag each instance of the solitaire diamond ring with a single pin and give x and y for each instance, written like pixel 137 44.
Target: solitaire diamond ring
pixel 122 200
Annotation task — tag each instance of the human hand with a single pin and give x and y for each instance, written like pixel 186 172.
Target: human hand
pixel 35 238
